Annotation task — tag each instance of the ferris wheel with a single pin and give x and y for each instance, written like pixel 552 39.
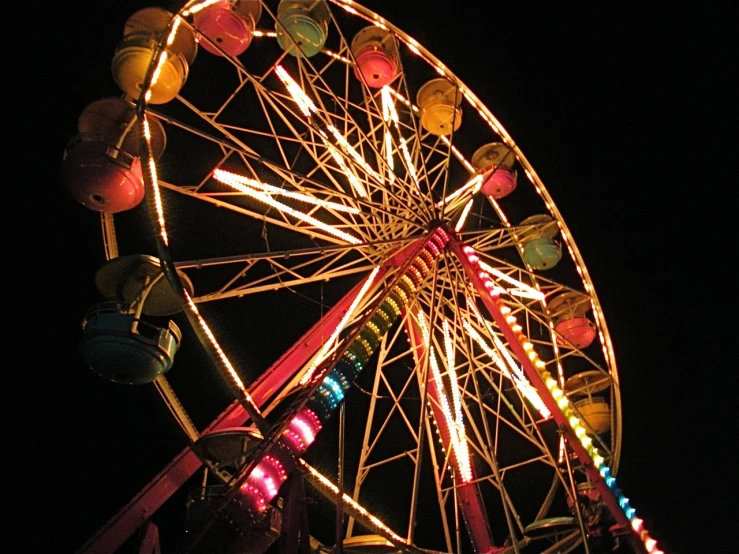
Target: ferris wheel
pixel 302 179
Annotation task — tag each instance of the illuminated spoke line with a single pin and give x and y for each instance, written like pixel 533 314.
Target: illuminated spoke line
pixel 320 88
pixel 483 368
pixel 349 173
pixel 346 169
pixel 374 520
pixel 308 108
pixel 501 349
pixel 279 139
pixel 244 152
pixel 330 343
pixel 393 193
pixel 452 415
pixel 520 288
pixel 508 367
pixel 402 206
pixel 486 370
pixel 221 174
pixel 285 222
pixel 258 195
pixel 320 164
pixel 273 97
pixel 384 222
pixel 390 114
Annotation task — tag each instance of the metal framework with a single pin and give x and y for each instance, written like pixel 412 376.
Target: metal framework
pixel 288 177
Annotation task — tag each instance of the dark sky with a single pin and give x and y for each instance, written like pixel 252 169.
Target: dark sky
pixel 620 112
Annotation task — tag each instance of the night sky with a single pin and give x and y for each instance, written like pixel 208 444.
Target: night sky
pixel 618 110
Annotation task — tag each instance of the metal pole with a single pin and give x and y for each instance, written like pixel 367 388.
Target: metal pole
pixel 340 483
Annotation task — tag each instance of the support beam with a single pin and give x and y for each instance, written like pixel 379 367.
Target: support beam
pixel 470 501
pixel 474 274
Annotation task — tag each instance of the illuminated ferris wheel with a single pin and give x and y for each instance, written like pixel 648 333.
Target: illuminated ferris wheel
pixel 305 171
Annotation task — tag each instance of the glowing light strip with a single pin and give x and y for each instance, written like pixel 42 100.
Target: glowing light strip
pixel 463 217
pixel 387 104
pixel 454 424
pixel 353 153
pixel 459 443
pixel 270 189
pixel 523 289
pixel 522 384
pixel 155 185
pixel 305 104
pixel 329 344
pixel 199 6
pixel 463 452
pixel 345 169
pixel 449 347
pixel 404 100
pixel 409 162
pixel 518 376
pixel 563 404
pixel 475 183
pixel 389 156
pixel 308 108
pixel 351 502
pixel 217 347
pixel 459 155
pixel 286 209
pixel 336 56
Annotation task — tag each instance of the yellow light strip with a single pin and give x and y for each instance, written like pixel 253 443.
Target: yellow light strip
pixel 199 6
pixel 217 347
pixel 449 347
pixel 159 207
pixel 328 345
pixel 351 502
pixel 389 112
pixel 305 104
pixel 389 156
pixel 522 384
pixel 270 189
pixel 262 197
pixel 522 290
pixel 463 217
pixel 459 442
pixel 345 169
pixel 336 56
pixel 459 155
pixel 474 183
pixel 349 149
pixel 455 425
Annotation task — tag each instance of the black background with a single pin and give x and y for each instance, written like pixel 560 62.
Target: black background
pixel 624 113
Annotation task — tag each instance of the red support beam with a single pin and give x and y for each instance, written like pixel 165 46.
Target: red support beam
pixel 474 272
pixel 473 510
pixel 122 525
